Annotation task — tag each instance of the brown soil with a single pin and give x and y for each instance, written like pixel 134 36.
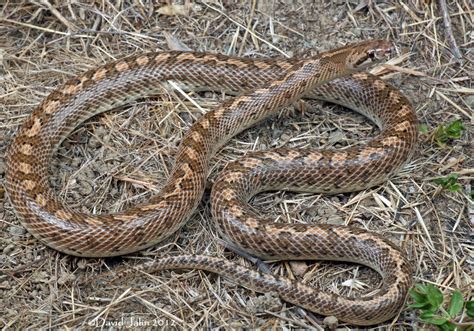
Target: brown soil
pixel 121 158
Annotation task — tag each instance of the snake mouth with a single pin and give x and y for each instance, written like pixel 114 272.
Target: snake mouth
pixel 373 56
pixel 379 53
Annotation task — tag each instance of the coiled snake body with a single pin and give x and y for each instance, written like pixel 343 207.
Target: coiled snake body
pixel 272 85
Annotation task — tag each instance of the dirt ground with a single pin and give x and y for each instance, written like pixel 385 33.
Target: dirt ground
pixel 121 158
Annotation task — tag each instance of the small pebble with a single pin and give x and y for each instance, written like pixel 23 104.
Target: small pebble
pixel 7 250
pixel 335 220
pixel 66 278
pixel 41 277
pixel 331 322
pixel 336 137
pixel 17 231
pixel 299 268
pixel 5 285
pixel 269 301
pixel 85 188
pixel 470 101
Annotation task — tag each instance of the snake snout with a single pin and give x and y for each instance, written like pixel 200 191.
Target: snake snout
pixel 380 53
pixel 374 52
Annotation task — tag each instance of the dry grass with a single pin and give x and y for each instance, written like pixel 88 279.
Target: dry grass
pixel 121 158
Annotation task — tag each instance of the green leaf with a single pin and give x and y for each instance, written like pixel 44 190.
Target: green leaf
pixel 454 187
pixel 452 178
pixel 427 315
pixel 470 308
pixel 448 327
pixel 440 135
pixel 449 182
pixel 423 289
pixel 423 128
pixel 419 305
pixel 454 129
pixel 417 296
pixel 435 297
pixel 456 304
pixel 443 134
pixel 437 320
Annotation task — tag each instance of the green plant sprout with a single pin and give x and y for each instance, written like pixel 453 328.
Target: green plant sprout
pixel 449 182
pixel 442 134
pixel 429 300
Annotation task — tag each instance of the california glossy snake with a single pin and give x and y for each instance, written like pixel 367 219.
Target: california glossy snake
pixel 270 84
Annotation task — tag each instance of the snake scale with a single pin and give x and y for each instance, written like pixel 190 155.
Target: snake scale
pixel 264 86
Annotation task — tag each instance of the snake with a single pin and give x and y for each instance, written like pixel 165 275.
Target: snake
pixel 262 87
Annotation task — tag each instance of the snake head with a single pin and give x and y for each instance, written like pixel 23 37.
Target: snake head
pixel 371 50
pixel 361 55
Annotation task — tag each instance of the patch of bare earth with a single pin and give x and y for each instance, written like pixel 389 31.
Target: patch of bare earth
pixel 121 158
